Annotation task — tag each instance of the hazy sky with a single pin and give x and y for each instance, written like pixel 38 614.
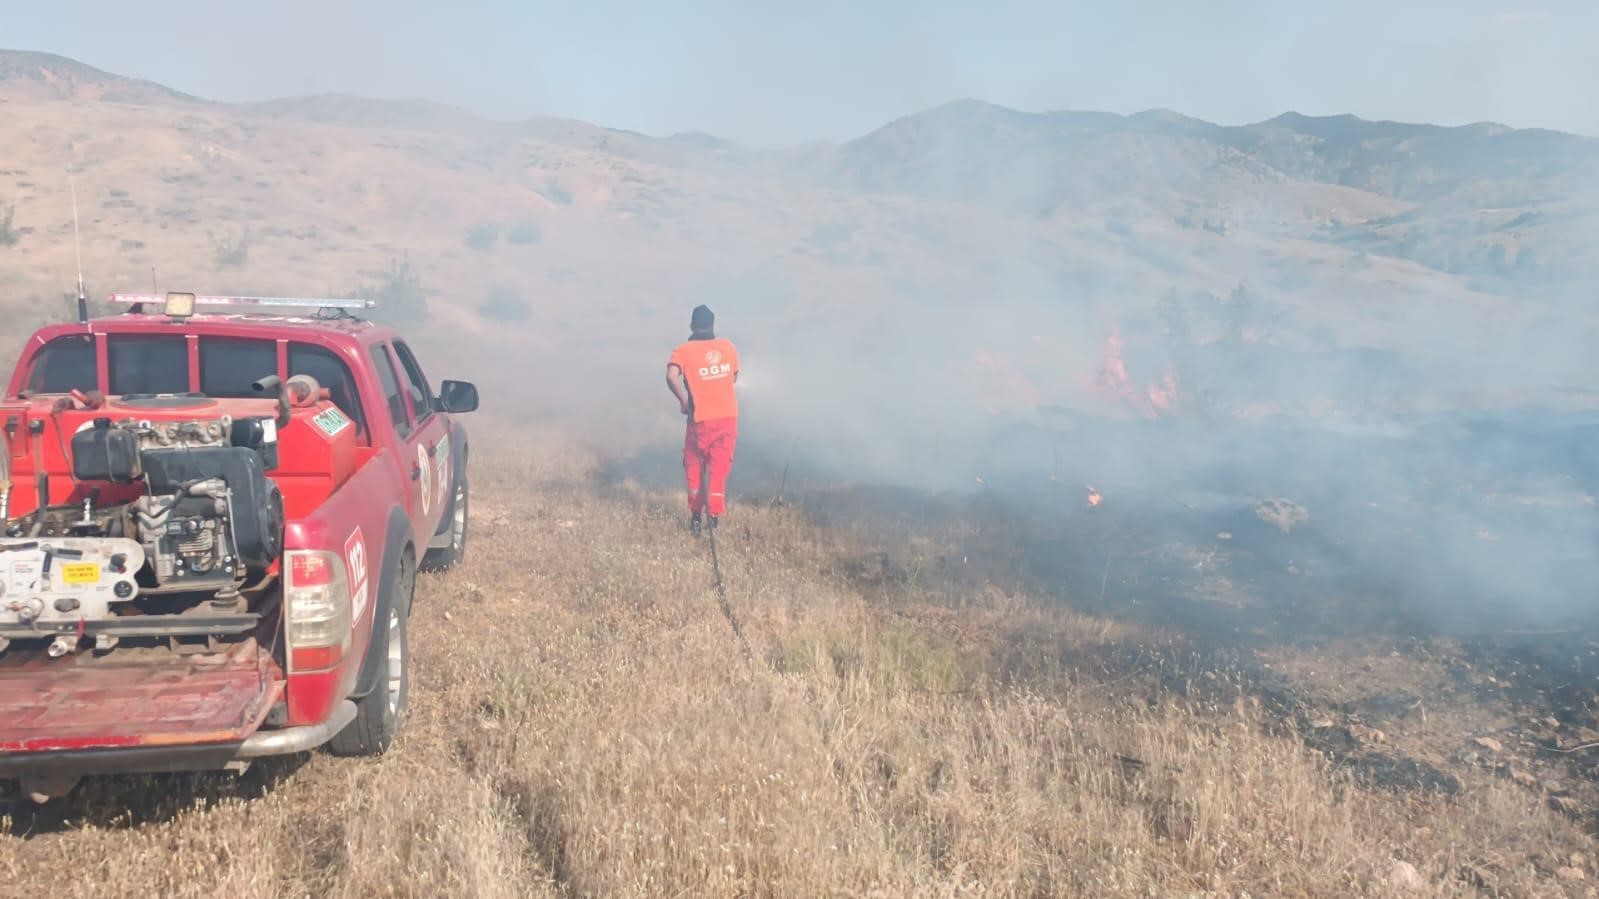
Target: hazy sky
pixel 782 72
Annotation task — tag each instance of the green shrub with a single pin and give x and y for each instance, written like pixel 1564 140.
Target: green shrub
pixel 232 253
pixel 8 234
pixel 400 297
pixel 556 192
pixel 524 234
pixel 505 305
pixel 482 235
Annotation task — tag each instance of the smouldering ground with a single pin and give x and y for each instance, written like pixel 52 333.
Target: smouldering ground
pixel 584 724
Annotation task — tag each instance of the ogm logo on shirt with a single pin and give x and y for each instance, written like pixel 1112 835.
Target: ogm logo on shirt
pixel 712 357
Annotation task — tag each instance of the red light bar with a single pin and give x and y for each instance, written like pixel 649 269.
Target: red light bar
pixel 296 302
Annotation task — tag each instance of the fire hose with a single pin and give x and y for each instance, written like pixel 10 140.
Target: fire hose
pixel 721 588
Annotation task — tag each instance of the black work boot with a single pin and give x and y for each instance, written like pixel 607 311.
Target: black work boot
pixel 694 524
pixel 713 522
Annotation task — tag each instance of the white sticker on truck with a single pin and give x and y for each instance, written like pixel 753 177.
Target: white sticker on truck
pixel 441 470
pixel 425 479
pixel 355 559
pixel 331 421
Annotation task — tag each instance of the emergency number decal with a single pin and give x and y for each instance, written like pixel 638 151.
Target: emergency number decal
pixel 441 471
pixel 425 480
pixel 331 421
pixel 355 558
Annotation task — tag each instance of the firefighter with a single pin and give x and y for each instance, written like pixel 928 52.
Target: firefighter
pixel 701 374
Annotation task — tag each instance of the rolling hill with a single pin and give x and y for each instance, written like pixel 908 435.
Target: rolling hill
pixel 945 232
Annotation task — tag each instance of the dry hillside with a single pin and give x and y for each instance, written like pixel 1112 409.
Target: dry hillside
pixel 1351 234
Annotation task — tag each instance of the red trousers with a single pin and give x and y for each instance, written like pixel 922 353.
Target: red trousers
pixel 708 456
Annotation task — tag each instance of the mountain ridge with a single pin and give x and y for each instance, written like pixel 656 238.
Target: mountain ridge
pixel 1368 233
pixel 63 72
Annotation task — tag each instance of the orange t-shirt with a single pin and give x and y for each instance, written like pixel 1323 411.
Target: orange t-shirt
pixel 709 367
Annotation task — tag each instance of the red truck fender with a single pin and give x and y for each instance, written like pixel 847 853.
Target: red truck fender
pixel 460 448
pixel 396 543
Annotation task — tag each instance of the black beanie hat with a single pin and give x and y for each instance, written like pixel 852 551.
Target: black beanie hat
pixel 703 319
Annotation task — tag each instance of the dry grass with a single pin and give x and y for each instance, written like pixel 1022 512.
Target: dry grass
pixel 583 724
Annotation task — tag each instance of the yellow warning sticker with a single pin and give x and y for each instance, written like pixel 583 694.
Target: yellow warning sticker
pixel 80 573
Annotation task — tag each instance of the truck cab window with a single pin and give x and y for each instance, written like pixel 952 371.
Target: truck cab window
pixel 391 388
pixel 416 382
pixel 64 365
pixel 331 372
pixel 230 367
pixel 147 364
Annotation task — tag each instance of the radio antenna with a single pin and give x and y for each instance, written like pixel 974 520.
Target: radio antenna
pixel 77 243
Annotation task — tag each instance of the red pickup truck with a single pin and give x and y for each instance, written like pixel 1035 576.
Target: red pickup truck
pixel 210 529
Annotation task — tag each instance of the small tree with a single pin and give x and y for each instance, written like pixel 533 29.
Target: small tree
pixel 505 305
pixel 524 234
pixel 482 235
pixel 8 234
pixel 1239 312
pixel 400 298
pixel 232 253
pixel 556 192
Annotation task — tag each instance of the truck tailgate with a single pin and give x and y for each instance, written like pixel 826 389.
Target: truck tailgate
pixel 134 698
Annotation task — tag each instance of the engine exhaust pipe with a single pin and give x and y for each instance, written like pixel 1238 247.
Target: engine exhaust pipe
pixel 274 384
pixel 5 481
pixel 41 478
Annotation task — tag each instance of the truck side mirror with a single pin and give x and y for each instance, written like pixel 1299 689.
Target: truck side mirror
pixel 458 396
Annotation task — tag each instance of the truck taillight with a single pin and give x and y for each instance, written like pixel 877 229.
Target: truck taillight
pixel 309 569
pixel 316 595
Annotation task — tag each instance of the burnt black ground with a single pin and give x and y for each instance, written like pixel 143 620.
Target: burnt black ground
pixel 1466 523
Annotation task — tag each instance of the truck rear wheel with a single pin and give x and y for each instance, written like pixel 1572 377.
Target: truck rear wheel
pixel 447 557
pixel 378 714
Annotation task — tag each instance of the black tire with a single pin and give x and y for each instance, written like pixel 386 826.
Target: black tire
pixel 446 557
pixel 379 714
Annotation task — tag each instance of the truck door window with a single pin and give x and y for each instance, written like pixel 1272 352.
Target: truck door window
pixel 229 367
pixel 147 364
pixel 391 389
pixel 64 365
pixel 330 372
pixel 421 394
